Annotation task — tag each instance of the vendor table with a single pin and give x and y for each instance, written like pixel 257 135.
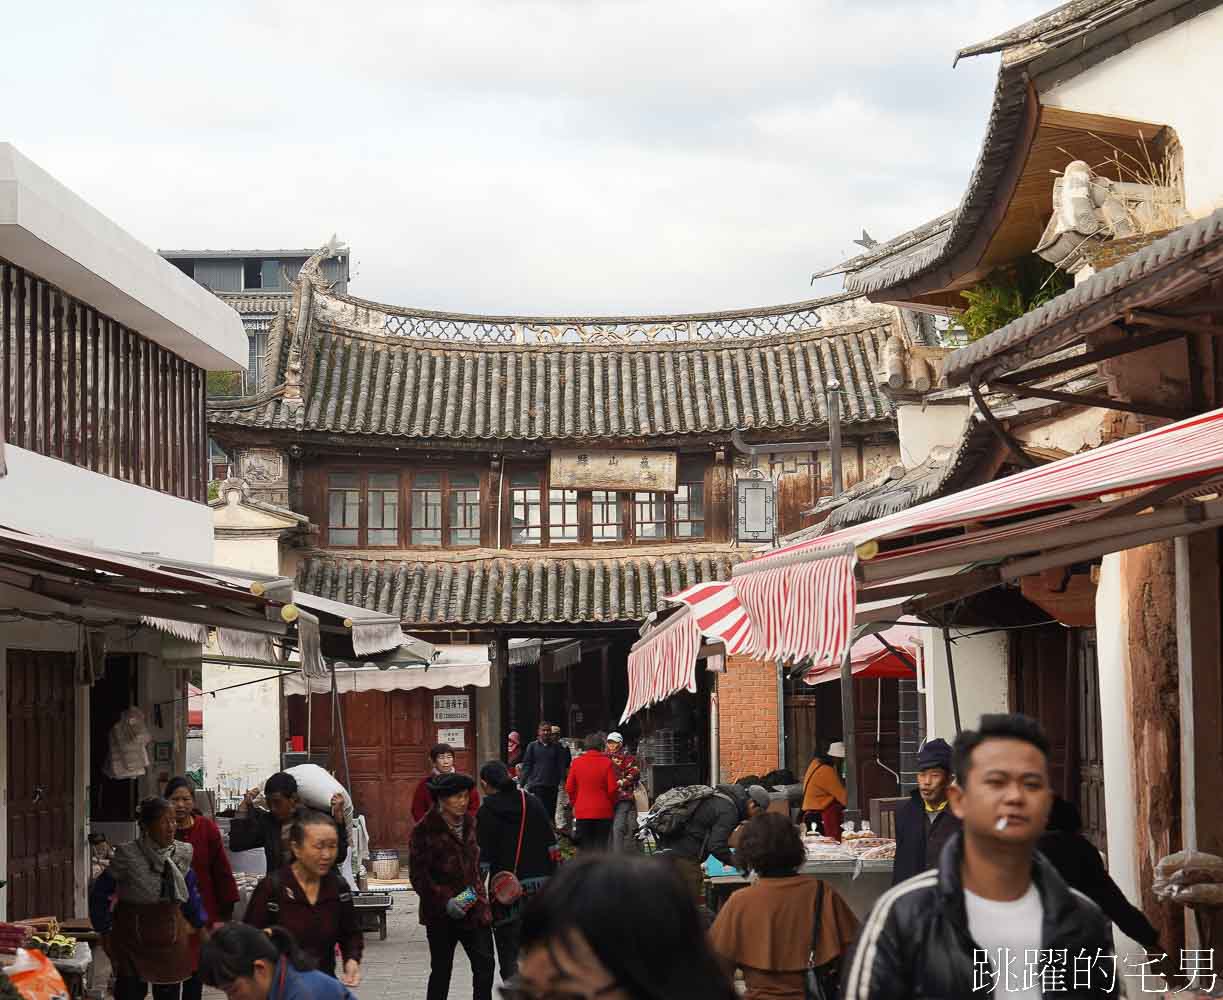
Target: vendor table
pixel 75 970
pixel 859 883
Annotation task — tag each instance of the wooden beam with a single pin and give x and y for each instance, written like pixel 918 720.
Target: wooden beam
pixel 929 585
pixel 1126 344
pixel 1105 402
pixel 1184 324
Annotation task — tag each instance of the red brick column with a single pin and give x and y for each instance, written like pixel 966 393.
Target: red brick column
pixel 747 707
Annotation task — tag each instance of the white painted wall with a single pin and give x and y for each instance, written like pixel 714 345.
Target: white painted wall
pixel 57 235
pixel 46 496
pixel 924 428
pixel 1168 79
pixel 981 680
pixel 1116 734
pixel 242 726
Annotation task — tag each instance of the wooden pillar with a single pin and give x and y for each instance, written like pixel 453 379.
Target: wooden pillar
pixel 488 701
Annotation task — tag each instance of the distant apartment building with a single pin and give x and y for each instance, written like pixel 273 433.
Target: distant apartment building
pixel 257 283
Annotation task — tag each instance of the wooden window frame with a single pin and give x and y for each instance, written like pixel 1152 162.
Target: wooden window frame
pixel 625 505
pixel 407 481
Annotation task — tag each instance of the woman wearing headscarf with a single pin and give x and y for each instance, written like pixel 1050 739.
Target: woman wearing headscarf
pixel 513 753
pixel 156 909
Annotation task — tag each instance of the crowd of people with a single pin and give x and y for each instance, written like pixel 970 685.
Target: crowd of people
pixel 989 862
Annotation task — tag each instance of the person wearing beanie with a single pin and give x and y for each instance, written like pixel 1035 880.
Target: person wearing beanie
pixel 444 869
pixel 924 823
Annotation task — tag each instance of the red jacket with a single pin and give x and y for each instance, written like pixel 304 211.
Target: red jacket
pixel 592 786
pixel 422 800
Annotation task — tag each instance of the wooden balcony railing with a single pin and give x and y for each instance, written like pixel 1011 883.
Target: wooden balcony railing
pixel 79 386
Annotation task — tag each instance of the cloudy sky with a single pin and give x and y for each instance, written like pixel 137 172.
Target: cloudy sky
pixel 539 156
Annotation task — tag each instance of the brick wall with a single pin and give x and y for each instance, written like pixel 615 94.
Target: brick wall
pixel 747 705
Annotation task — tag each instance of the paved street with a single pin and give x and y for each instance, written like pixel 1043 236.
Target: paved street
pixel 398 968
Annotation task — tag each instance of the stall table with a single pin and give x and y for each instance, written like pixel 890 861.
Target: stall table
pixel 859 883
pixel 374 905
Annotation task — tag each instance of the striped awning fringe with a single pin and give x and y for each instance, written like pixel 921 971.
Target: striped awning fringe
pixel 664 665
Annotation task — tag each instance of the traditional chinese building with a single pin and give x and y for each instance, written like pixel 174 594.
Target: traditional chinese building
pixel 528 489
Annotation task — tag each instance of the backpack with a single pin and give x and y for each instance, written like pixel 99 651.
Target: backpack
pixel 673 809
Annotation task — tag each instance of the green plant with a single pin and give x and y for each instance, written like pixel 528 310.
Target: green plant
pixel 1008 293
pixel 222 385
pixel 214 491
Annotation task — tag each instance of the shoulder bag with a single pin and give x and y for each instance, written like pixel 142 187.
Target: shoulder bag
pixel 823 981
pixel 505 887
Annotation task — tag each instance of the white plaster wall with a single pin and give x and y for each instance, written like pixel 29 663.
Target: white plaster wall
pixel 50 497
pixel 1080 430
pixel 59 236
pixel 981 680
pixel 1116 734
pixel 242 726
pixel 1168 79
pixel 924 428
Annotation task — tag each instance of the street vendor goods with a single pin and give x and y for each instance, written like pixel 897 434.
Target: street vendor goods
pixel 36 978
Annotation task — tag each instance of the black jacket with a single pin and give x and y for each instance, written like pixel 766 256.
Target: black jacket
pixel 545 764
pixel 1079 863
pixel 259 828
pixel 919 842
pixel 497 825
pixel 709 827
pixel 916 943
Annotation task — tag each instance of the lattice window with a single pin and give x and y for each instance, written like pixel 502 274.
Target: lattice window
pixel 464 509
pixel 562 516
pixel 605 517
pixel 526 509
pixel 343 508
pixel 650 516
pixel 427 508
pixel 383 528
pixel 688 507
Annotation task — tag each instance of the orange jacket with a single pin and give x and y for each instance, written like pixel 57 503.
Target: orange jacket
pixel 822 784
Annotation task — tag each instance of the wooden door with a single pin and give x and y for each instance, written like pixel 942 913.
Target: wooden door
pixel 1090 747
pixel 877 727
pixel 1042 686
pixel 41 783
pixel 388 736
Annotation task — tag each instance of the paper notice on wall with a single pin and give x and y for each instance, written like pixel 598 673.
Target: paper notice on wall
pixel 457 738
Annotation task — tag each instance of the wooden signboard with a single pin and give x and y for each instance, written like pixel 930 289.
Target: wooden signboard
pixel 599 469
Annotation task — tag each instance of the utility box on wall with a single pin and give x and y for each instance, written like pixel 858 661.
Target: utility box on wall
pixel 755 510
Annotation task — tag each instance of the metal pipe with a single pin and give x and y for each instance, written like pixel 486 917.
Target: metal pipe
pixel 715 736
pixel 834 435
pixel 794 447
pixel 955 695
pixel 781 715
pixel 849 737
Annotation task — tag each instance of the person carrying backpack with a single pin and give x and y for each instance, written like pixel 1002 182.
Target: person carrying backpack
pixel 696 822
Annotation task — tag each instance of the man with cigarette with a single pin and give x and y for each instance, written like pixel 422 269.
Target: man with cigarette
pixel 995 916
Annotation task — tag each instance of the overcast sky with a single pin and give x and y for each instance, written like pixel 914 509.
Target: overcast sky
pixel 576 156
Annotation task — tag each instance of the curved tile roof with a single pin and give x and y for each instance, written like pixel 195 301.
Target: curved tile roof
pixel 530 590
pixel 375 386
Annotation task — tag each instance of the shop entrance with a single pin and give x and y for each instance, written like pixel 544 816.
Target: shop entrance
pixel 388 736
pixel 41 783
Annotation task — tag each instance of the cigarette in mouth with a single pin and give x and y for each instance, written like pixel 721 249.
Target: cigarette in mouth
pixel 1001 824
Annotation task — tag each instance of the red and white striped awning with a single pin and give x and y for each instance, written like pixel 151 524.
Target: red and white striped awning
pixel 664 663
pixel 802 598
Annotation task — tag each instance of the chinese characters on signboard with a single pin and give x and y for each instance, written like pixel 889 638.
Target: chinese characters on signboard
pixel 454 737
pixel 614 470
pixel 451 708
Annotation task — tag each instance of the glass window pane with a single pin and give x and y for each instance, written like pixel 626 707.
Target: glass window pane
pixel 464 480
pixel 605 516
pixel 383 536
pixel 343 481
pixel 383 517
pixel 427 509
pixel 464 516
pixel 526 517
pixel 342 536
pixel 650 515
pixel 384 481
pixel 524 477
pixel 690 510
pixel 562 516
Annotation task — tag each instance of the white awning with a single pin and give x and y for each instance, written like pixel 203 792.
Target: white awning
pixel 456 666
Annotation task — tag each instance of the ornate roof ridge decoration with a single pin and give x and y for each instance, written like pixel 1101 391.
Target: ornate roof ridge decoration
pixel 910 243
pixel 334 328
pixel 437 325
pixel 1062 37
